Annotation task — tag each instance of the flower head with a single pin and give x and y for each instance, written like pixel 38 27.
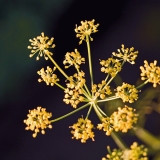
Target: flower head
pixel 82 130
pixel 127 54
pixel 127 92
pixel 135 152
pixel 73 58
pixel 86 28
pixel 116 154
pixel 48 76
pixel 111 66
pixel 41 45
pixel 123 119
pixel 106 126
pixel 38 119
pixel 73 92
pixel 101 90
pixel 151 72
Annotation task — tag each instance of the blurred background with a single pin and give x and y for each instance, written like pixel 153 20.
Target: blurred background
pixel 134 23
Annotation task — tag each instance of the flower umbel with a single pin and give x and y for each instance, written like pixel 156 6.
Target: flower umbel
pixel 127 54
pixel 135 152
pixel 82 130
pixel 38 119
pixel 151 72
pixel 106 126
pixel 127 92
pixel 123 119
pixel 73 92
pixel 48 76
pixel 86 28
pixel 41 45
pixel 73 58
pixel 111 66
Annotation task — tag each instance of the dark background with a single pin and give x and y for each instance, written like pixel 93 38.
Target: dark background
pixel 131 22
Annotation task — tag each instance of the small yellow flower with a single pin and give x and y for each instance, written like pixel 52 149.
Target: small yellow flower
pixel 111 66
pixel 123 119
pixel 106 126
pixel 101 90
pixel 48 76
pixel 127 92
pixel 151 72
pixel 82 130
pixel 73 58
pixel 127 54
pixel 135 152
pixel 41 45
pixel 38 119
pixel 86 28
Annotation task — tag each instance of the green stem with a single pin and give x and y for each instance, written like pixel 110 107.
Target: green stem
pixel 118 141
pixel 90 108
pixel 101 111
pixel 108 99
pixel 68 114
pixel 142 84
pixel 147 137
pixel 97 112
pixel 89 59
pixel 57 66
pixel 60 86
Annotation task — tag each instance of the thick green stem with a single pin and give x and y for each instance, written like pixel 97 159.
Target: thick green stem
pixel 57 66
pixel 68 114
pixel 118 141
pixel 147 137
pixel 89 59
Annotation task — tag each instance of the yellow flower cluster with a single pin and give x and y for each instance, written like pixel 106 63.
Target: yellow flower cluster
pixel 48 76
pixel 74 91
pixel 101 90
pixel 106 126
pixel 41 45
pixel 86 28
pixel 38 119
pixel 111 66
pixel 126 54
pixel 135 152
pixel 73 58
pixel 123 119
pixel 82 130
pixel 151 72
pixel 116 154
pixel 127 92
